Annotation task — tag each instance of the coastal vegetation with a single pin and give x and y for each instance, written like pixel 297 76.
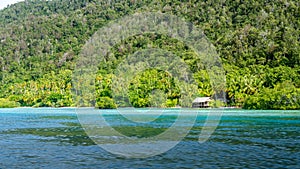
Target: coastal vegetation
pixel 5 103
pixel 258 42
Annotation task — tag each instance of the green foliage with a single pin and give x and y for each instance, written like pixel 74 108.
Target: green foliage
pixel 216 104
pixel 203 81
pixel 151 86
pixel 282 96
pixel 105 103
pixel 258 42
pixel 104 94
pixel 52 90
pixel 4 103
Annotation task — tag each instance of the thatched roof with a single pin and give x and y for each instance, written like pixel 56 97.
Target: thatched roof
pixel 202 99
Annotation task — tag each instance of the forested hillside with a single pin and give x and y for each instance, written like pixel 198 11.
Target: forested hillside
pixel 258 41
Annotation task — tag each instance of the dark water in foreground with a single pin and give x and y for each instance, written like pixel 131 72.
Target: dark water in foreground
pixel 53 138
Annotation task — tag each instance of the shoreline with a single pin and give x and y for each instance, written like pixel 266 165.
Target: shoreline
pixel 153 108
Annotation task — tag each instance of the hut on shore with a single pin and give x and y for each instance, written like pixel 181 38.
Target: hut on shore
pixel 201 102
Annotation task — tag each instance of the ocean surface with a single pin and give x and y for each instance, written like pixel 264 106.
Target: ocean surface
pixel 54 138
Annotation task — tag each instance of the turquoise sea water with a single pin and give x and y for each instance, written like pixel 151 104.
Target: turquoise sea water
pixel 53 138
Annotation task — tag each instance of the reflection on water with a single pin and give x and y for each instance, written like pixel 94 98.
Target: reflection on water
pixel 47 138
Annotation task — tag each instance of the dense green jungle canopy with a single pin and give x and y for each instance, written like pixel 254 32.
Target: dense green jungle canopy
pixel 258 42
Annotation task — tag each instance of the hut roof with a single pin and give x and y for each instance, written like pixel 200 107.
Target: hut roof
pixel 202 99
